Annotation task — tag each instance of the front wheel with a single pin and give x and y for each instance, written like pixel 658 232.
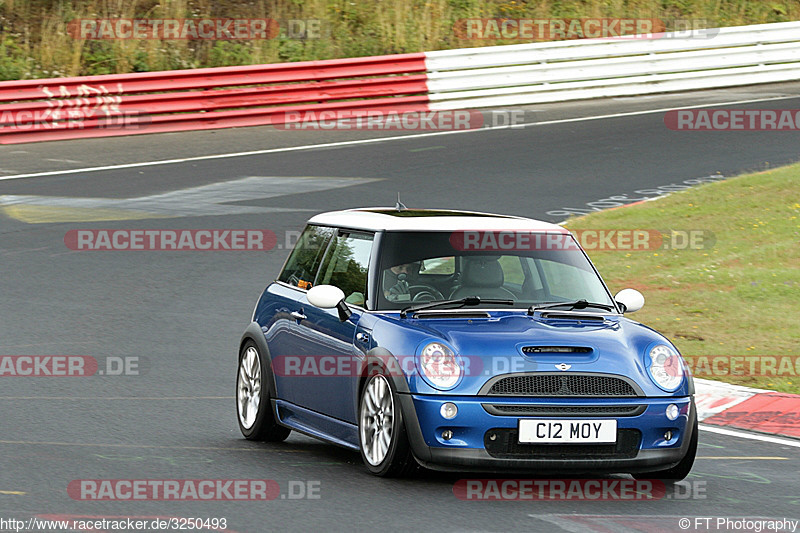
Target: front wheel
pixel 255 415
pixel 382 435
pixel 679 471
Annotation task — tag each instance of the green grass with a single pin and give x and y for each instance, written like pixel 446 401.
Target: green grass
pixel 739 297
pixel 34 42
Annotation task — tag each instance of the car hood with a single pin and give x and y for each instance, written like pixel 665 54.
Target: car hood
pixel 504 334
pixel 508 342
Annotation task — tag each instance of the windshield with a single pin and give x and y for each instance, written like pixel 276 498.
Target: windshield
pixel 420 267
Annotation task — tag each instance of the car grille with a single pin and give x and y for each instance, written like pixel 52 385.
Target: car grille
pixel 564 410
pixel 505 446
pixel 562 385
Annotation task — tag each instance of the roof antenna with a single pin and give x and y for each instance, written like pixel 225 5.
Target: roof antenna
pixel 399 206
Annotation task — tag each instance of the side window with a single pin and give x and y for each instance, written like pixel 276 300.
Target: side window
pixel 535 281
pixel 303 262
pixel 346 266
pixel 570 283
pixel 512 269
pixel 532 287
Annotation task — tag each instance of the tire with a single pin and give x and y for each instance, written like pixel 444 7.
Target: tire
pixel 679 471
pixel 381 431
pixel 253 406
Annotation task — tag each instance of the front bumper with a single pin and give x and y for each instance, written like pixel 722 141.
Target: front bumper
pixel 488 442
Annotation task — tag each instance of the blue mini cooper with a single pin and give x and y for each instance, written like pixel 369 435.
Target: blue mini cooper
pixel 462 341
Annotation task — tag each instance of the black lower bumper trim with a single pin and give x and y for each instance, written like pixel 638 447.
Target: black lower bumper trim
pixel 477 460
pixel 503 443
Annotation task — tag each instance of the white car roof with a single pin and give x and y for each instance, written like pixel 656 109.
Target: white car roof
pixel 391 219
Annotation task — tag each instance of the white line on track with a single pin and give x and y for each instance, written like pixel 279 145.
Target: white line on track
pixel 379 140
pixel 104 398
pixel 751 436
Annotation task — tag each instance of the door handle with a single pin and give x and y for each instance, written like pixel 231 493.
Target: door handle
pixel 298 315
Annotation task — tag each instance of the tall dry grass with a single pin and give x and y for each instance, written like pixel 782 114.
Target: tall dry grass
pixel 34 41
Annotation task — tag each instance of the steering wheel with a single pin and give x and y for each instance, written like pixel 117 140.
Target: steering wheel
pixel 424 293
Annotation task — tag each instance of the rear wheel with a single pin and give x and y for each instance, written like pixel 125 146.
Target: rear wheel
pixel 381 430
pixel 253 406
pixel 679 471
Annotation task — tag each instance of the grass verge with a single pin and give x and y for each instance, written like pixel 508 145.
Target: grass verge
pixel 738 295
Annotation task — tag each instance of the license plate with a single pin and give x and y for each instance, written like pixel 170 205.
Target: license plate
pixel 567 431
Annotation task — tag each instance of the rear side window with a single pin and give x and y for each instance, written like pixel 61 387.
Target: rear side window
pixel 303 262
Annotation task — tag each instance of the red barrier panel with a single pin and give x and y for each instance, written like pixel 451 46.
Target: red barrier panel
pixel 125 104
pixel 178 102
pixel 213 77
pixel 101 127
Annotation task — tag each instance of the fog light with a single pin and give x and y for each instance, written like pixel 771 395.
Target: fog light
pixel 672 411
pixel 668 436
pixel 448 410
pixel 447 434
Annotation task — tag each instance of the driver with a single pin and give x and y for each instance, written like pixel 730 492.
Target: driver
pixel 395 281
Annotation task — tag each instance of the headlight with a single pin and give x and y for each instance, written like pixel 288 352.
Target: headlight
pixel 439 365
pixel 665 367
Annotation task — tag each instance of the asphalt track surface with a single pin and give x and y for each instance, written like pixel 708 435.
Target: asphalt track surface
pixel 182 313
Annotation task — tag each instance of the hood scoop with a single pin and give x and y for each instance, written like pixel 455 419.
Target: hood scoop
pixel 556 349
pixel 556 354
pixel 572 316
pixel 451 314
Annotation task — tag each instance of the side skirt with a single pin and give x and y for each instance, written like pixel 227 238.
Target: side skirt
pixel 317 425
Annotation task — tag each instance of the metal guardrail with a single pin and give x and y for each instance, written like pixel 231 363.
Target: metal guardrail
pixel 156 102
pixel 592 68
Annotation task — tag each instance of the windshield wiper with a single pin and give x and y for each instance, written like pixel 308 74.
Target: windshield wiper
pixel 461 302
pixel 574 304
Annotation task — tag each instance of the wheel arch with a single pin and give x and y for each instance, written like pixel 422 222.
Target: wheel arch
pixel 376 358
pixel 253 333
